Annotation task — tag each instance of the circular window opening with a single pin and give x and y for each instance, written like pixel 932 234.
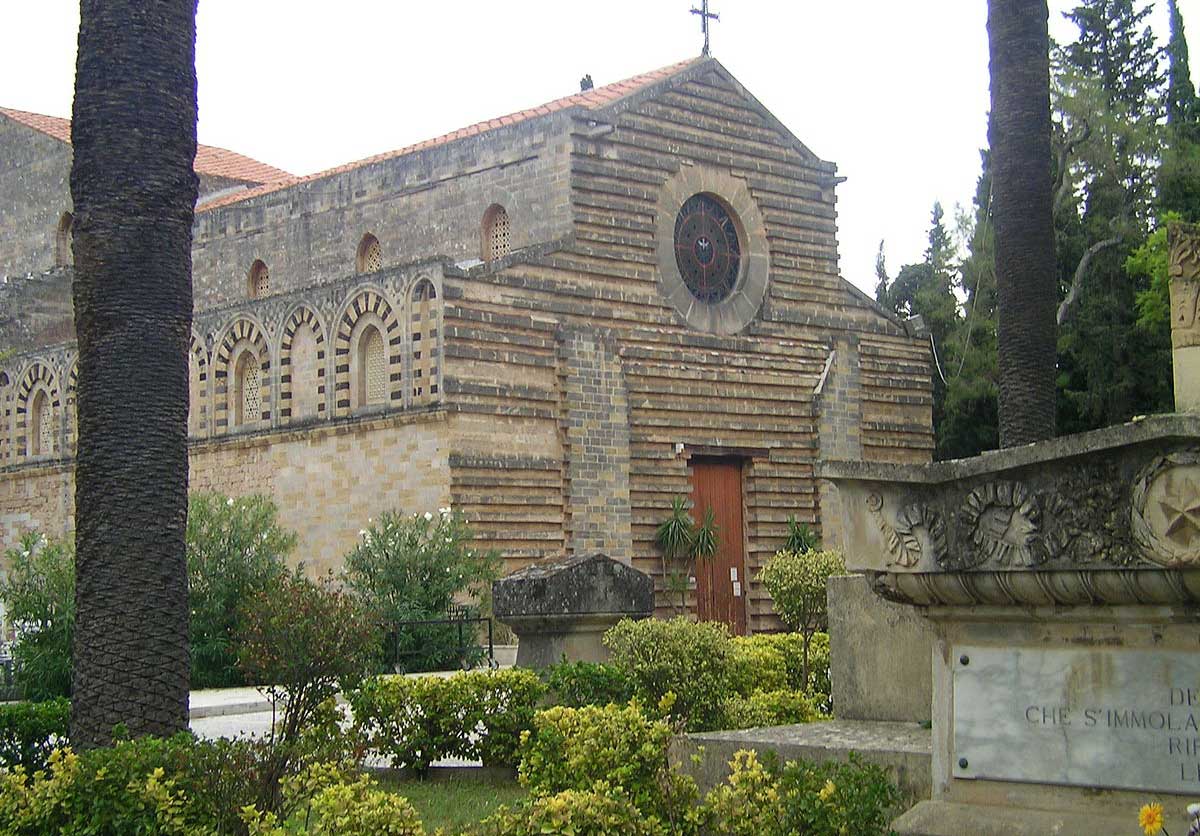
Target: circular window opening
pixel 708 250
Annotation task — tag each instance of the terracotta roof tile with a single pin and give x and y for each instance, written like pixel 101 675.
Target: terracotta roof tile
pixel 216 162
pixel 591 99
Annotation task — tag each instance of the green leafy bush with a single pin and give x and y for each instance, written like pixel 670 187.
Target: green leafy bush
pixel 307 640
pixel 692 661
pixel 474 715
pixel 796 582
pixel 30 731
pixel 775 661
pixel 828 799
pixel 39 597
pixel 141 786
pixel 410 568
pixel 770 708
pixel 332 803
pixel 601 810
pixel 576 684
pixel 575 748
pixel 235 549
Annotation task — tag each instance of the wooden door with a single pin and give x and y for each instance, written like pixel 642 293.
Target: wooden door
pixel 721 579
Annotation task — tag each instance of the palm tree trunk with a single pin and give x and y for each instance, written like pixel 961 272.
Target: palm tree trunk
pixel 1022 208
pixel 134 191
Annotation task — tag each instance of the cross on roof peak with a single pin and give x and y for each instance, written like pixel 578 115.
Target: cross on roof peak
pixel 705 17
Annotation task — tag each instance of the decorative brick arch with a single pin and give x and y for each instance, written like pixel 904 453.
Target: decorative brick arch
pixel 70 400
pixel 291 400
pixel 244 335
pixel 367 308
pixel 37 380
pixel 425 343
pixel 199 400
pixel 6 414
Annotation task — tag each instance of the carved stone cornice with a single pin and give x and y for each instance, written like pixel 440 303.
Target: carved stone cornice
pixel 1183 269
pixel 1108 517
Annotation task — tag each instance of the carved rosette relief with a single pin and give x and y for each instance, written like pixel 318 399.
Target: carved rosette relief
pixel 1165 513
pixel 918 529
pixel 1183 269
pixel 1003 522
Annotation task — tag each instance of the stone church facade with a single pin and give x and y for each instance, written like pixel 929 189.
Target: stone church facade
pixel 556 321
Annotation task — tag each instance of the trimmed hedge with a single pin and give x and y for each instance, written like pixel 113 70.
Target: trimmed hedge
pixel 576 684
pixel 478 715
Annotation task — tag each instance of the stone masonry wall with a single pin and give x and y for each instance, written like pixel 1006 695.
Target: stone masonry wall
pixel 327 481
pixel 34 192
pixel 425 204
pixel 596 428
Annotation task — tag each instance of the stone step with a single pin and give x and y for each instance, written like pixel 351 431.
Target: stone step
pixel 944 818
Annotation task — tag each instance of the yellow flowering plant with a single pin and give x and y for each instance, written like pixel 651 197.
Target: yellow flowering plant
pixel 1150 819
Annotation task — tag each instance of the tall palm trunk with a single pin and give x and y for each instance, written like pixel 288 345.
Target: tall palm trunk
pixel 1021 204
pixel 134 190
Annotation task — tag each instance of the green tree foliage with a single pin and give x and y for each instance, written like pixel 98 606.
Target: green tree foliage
pixel 39 597
pixel 412 568
pixel 235 548
pixel 1110 96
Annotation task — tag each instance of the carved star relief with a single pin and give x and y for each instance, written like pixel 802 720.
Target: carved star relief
pixel 1180 505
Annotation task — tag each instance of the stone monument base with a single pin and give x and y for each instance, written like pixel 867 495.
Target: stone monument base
pixel 945 818
pixel 561 607
pixel 903 749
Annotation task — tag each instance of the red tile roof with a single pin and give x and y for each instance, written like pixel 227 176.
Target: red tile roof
pixel 217 162
pixel 591 99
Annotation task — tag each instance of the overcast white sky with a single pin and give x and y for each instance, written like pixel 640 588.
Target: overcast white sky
pixel 895 93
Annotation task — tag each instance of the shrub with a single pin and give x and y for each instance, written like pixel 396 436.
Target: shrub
pixel 693 661
pixel 775 661
pixel 575 748
pixel 770 708
pixel 476 715
pixel 410 568
pixel 235 549
pixel 796 582
pixel 576 684
pixel 601 810
pixel 334 804
pixel 134 787
pixel 307 639
pixel 39 597
pixel 29 732
pixel 829 799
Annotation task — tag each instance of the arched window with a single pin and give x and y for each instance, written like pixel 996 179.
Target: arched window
pixel 40 425
pixel 370 255
pixel 304 373
pixel 195 395
pixel 497 233
pixel 372 368
pixel 424 322
pixel 258 283
pixel 62 240
pixel 247 391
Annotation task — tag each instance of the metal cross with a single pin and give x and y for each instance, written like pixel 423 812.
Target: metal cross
pixel 705 16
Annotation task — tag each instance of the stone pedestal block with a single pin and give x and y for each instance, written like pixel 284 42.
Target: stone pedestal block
pixel 562 606
pixel 879 655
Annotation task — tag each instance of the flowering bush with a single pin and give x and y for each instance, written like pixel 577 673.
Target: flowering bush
pixel 410 568
pixel 235 548
pixel 39 597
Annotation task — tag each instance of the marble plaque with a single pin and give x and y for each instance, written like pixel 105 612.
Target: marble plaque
pixel 1124 719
